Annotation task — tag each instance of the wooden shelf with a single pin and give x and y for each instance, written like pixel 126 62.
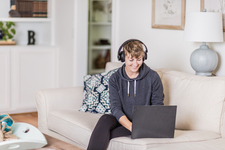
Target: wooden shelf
pixel 26 19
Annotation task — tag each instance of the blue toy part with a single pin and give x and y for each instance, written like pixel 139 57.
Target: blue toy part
pixel 6 119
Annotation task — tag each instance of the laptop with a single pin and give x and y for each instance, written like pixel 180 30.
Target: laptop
pixel 156 121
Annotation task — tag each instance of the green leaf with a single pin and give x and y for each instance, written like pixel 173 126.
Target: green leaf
pixel 12 23
pixel 13 31
pixel 8 24
pixel 7 29
pixel 10 36
pixel 6 32
pixel 4 38
pixel 1 24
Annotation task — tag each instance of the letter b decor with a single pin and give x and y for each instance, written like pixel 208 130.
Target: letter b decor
pixel 31 39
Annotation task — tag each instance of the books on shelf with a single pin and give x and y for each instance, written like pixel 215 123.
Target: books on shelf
pixel 40 9
pixel 25 8
pixel 31 8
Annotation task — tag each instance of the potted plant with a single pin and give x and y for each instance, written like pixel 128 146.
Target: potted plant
pixel 8 30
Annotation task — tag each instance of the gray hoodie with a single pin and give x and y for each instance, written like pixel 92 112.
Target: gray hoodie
pixel 124 93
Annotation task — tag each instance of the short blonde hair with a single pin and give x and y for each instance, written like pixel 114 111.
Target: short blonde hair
pixel 134 48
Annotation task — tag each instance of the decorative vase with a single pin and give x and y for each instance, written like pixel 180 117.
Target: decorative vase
pixel 100 62
pixel 107 56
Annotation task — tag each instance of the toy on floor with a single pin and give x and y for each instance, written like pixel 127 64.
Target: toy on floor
pixel 6 123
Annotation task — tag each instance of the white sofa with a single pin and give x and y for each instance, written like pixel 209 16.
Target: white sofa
pixel 200 121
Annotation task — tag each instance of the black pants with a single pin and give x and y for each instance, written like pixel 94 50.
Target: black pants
pixel 106 128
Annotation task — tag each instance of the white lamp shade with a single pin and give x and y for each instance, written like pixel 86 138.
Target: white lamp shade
pixel 203 27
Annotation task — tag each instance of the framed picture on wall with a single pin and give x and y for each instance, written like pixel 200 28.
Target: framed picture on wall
pixel 214 6
pixel 168 14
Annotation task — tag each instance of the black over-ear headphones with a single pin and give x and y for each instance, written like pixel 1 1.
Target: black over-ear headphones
pixel 121 54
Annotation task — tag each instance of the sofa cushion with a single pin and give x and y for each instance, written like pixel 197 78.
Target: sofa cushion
pixel 96 93
pixel 161 71
pixel 199 100
pixel 74 125
pixel 151 144
pixel 112 65
pixel 78 127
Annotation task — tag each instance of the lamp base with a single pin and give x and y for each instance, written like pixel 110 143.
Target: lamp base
pixel 204 60
pixel 208 74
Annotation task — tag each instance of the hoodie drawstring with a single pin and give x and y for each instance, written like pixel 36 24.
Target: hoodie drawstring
pixel 128 92
pixel 134 88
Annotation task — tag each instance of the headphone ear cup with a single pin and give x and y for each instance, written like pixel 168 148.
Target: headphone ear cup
pixel 145 57
pixel 122 56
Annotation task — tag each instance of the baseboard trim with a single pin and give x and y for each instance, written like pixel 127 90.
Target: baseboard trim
pixel 20 111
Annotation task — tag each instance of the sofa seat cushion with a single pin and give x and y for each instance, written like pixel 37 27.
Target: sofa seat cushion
pixel 181 136
pixel 215 144
pixel 74 125
pixel 78 127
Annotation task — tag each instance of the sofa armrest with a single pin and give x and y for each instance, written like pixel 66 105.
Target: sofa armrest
pixel 57 99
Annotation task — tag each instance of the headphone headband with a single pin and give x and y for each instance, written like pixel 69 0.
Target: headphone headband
pixel 120 54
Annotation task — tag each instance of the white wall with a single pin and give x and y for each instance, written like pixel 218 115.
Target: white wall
pixel 80 41
pixel 4 8
pixel 64 25
pixel 71 27
pixel 167 49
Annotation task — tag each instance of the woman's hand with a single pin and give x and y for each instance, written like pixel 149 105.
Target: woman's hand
pixel 126 123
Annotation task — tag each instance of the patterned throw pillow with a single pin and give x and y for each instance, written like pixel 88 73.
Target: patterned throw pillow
pixel 96 93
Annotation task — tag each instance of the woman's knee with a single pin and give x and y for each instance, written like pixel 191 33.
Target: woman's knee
pixel 107 118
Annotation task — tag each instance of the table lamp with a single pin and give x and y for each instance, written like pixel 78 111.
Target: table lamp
pixel 204 27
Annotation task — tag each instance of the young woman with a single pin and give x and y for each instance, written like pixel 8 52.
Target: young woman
pixel 133 84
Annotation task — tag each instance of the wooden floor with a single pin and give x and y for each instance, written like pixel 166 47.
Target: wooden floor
pixel 31 118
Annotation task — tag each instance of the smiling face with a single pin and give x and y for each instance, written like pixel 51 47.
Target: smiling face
pixel 133 64
pixel 134 54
